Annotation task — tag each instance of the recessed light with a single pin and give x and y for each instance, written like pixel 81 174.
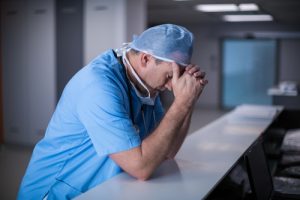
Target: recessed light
pixel 247 18
pixel 217 7
pixel 226 7
pixel 248 7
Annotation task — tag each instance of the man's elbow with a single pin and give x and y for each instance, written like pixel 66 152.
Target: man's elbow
pixel 142 175
pixel 171 156
pixel 141 172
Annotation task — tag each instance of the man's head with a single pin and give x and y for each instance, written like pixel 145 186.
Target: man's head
pixel 167 42
pixel 153 53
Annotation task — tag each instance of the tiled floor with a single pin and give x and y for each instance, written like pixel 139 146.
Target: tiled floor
pixel 14 159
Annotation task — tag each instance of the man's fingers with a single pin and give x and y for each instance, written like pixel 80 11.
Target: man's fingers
pixel 199 74
pixel 193 70
pixel 203 82
pixel 187 68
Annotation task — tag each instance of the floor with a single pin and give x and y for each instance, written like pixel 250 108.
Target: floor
pixel 14 159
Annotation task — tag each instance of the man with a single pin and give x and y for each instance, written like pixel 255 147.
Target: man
pixel 110 118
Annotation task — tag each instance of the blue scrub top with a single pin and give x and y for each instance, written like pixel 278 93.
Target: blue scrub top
pixel 91 121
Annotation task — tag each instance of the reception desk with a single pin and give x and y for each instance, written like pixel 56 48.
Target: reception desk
pixel 205 158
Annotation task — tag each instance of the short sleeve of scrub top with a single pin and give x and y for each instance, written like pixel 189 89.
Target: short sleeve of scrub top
pixel 102 110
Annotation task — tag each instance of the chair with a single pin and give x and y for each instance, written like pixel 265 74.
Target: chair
pixel 263 186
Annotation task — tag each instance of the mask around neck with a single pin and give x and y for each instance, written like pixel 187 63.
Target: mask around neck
pixel 148 100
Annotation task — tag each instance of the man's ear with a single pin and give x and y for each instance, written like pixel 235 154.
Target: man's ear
pixel 144 59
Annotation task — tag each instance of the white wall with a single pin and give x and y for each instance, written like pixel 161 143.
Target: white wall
pixel 110 23
pixel 104 22
pixel 28 68
pixel 207 56
pixel 136 14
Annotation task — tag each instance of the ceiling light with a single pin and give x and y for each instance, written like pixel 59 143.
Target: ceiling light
pixel 248 7
pixel 247 18
pixel 217 7
pixel 227 7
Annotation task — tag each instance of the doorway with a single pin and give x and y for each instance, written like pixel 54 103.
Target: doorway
pixel 249 69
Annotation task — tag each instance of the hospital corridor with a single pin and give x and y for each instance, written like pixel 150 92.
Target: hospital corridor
pixel 149 99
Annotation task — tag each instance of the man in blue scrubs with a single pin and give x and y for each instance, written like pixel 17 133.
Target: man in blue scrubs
pixel 110 119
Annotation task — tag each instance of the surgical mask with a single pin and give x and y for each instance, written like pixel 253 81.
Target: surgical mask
pixel 148 100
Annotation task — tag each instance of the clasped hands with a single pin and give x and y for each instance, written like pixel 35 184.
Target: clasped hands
pixel 195 71
pixel 188 83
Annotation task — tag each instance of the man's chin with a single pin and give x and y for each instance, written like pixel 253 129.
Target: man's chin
pixel 161 89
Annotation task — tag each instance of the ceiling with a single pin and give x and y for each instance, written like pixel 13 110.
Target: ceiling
pixel 170 11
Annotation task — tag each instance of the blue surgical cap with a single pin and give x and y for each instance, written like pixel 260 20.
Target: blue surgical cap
pixel 167 42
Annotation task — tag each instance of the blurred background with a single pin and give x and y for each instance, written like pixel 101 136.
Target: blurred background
pixel 249 50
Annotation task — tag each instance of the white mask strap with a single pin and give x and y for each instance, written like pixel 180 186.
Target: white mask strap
pixel 125 60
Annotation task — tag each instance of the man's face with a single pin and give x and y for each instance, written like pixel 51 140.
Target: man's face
pixel 159 75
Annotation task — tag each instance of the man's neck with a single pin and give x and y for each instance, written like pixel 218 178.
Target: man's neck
pixel 132 78
pixel 138 86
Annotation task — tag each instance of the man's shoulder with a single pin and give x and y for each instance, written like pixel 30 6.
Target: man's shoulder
pixel 97 78
pixel 105 66
pixel 106 60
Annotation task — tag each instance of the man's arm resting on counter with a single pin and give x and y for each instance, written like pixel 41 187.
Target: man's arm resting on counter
pixel 141 161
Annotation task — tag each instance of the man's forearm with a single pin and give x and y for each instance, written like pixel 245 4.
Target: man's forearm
pixel 140 162
pixel 182 132
pixel 166 136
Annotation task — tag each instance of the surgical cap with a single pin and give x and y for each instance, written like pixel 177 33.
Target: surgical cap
pixel 167 42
